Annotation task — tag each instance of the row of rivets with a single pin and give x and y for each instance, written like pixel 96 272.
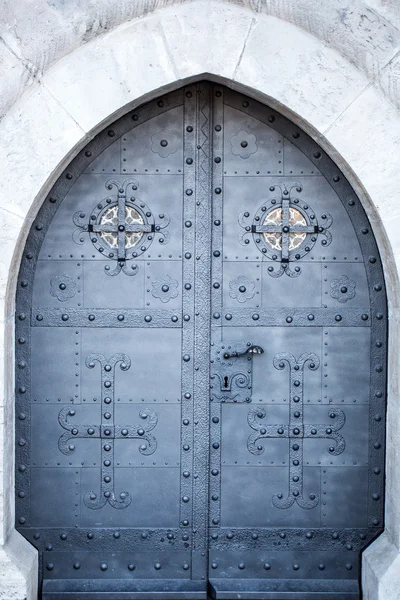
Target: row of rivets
pixel 104 567
pixel 289 319
pixel 295 566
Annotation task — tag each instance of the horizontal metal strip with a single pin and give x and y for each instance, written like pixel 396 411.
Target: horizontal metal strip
pixel 119 589
pixel 263 538
pixel 284 589
pixel 104 317
pixel 135 539
pixel 296 317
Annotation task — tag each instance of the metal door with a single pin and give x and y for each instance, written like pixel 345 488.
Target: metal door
pixel 201 363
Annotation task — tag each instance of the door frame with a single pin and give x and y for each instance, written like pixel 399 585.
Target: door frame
pixel 57 155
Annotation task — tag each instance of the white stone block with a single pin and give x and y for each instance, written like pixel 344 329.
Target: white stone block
pixel 36 137
pixel 14 78
pixel 107 74
pixel 367 136
pixel 296 70
pixel 206 37
pixel 367 34
pixel 18 569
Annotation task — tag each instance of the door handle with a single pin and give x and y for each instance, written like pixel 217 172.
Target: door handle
pixel 249 350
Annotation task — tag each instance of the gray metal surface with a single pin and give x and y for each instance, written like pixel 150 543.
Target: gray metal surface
pixel 201 363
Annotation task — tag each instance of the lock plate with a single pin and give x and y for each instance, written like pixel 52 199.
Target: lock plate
pixel 231 378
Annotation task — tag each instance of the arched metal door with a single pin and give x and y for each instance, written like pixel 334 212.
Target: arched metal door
pixel 201 363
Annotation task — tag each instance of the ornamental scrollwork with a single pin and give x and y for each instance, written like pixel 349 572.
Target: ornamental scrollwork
pixel 107 431
pixel 121 227
pixel 296 430
pixel 285 229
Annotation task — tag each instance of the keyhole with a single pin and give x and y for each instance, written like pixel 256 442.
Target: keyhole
pixel 226 379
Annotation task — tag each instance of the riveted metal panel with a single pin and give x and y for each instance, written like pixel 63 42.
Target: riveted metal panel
pixel 296 476
pixel 201 363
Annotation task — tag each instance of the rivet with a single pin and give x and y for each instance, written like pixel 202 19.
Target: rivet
pixel 50 566
pixel 103 567
pixel 131 567
pixel 77 565
pixel 186 357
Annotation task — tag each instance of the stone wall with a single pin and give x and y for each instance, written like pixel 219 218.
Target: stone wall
pixel 67 68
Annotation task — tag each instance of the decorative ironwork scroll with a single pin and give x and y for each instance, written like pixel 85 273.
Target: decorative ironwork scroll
pixel 108 432
pixel 296 431
pixel 285 229
pixel 121 227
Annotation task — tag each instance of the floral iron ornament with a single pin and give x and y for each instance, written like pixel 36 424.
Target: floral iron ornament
pixel 121 227
pixel 242 289
pixel 343 289
pixel 164 143
pixel 285 229
pixel 62 287
pixel 244 144
pixel 165 288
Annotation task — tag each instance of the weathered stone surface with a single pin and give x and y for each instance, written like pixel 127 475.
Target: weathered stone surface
pixel 193 33
pixel 18 570
pixel 14 77
pixel 36 135
pixel 389 81
pixel 365 33
pixel 292 67
pixel 367 136
pixel 111 72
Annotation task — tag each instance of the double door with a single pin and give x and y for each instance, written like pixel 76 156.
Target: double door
pixel 201 342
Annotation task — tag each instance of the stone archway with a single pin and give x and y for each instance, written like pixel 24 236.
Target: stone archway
pixel 338 113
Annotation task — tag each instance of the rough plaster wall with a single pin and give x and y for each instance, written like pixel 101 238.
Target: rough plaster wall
pixel 34 34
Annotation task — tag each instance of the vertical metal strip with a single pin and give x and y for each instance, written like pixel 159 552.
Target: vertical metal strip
pixel 202 330
pixel 188 322
pixel 216 298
